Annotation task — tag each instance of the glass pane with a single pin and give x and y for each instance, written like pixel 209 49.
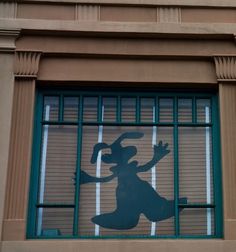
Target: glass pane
pixel 51 108
pixel 147 110
pixel 185 110
pixel 87 206
pixel 109 109
pixel 197 221
pixel 195 164
pixel 166 110
pixel 130 182
pixel 90 108
pixel 55 221
pixel 58 164
pixel 204 110
pixel 71 108
pixel 128 108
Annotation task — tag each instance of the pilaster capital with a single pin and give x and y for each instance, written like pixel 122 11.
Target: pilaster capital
pixel 225 67
pixel 7 40
pixel 27 64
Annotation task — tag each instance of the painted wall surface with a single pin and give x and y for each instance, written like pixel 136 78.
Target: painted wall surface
pixel 7 47
pixel 161 43
pixel 6 97
pixel 124 246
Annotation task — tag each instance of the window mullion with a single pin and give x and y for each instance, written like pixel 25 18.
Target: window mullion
pixel 156 105
pixel 55 205
pixel 118 111
pixel 61 109
pixel 217 174
pixel 35 170
pixel 98 163
pixel 100 109
pixel 138 112
pixel 77 173
pixel 176 166
pixel 194 112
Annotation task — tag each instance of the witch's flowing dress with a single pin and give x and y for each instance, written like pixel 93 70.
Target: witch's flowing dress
pixel 133 197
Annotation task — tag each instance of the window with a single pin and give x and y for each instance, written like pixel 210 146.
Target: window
pixel 125 164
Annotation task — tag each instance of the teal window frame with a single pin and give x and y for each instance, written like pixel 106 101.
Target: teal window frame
pixel 38 122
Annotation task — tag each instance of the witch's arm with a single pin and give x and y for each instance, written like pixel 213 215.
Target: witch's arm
pixel 160 151
pixel 86 178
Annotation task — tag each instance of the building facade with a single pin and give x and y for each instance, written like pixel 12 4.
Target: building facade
pixel 118 125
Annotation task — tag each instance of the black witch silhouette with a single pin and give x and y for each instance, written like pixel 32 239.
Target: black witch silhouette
pixel 134 196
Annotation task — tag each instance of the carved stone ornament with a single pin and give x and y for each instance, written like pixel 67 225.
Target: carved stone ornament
pixel 87 12
pixel 170 15
pixel 27 63
pixel 225 68
pixel 8 9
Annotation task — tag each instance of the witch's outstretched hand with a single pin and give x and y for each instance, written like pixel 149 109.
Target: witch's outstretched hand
pixel 160 150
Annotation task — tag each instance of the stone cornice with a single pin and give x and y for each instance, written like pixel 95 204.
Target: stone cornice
pixel 194 3
pixel 150 29
pixel 27 64
pixel 225 67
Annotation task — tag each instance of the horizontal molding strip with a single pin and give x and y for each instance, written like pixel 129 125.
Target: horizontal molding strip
pixel 128 56
pixel 202 3
pixel 44 26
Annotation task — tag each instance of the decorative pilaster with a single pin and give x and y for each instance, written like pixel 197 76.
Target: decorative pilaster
pixel 26 69
pixel 227 95
pixel 226 76
pixel 225 68
pixel 7 48
pixel 169 15
pixel 87 12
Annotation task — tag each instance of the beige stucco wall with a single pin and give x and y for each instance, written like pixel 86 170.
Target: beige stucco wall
pixel 121 246
pixel 6 94
pixel 174 43
pixel 127 70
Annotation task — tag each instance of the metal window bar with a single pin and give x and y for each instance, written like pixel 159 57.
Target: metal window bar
pixel 197 205
pixel 55 205
pixel 176 165
pixel 146 124
pixel 118 111
pixel 61 108
pixel 78 164
pixel 98 171
pixel 138 110
pixel 208 170
pixel 194 112
pixel 216 169
pixel 153 170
